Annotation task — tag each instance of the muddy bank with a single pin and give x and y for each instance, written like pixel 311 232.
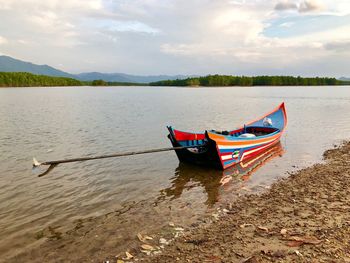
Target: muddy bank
pixel 300 219
pixel 304 218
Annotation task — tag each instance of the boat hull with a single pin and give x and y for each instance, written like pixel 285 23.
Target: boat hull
pixel 204 157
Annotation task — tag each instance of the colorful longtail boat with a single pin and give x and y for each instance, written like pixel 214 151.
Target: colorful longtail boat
pixel 223 149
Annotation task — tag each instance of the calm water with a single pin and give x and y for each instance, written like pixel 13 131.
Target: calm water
pixel 56 123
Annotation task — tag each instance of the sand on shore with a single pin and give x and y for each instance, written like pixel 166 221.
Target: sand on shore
pixel 303 218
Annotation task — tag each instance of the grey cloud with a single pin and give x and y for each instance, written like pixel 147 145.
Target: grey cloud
pixel 281 6
pixel 302 7
pixel 338 46
pixel 309 6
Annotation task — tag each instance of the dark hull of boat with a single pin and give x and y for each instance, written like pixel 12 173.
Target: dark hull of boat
pixel 203 156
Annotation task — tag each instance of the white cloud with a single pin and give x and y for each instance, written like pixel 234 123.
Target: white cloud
pixel 286 24
pixel 3 40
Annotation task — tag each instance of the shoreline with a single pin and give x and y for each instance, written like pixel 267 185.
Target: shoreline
pixel 299 219
pixel 303 218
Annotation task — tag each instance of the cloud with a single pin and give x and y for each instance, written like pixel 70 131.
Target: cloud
pixel 310 6
pixel 338 46
pixel 281 6
pixel 3 40
pixel 179 36
pixel 304 6
pixel 287 24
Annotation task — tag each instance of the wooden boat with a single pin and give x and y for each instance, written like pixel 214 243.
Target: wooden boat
pixel 223 149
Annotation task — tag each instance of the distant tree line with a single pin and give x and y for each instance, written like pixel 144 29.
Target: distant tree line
pixel 227 80
pixel 24 79
pixel 100 82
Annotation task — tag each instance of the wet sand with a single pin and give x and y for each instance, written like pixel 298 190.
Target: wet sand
pixel 304 218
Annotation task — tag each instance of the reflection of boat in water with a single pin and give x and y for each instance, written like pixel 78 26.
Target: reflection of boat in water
pixel 245 168
pixel 189 176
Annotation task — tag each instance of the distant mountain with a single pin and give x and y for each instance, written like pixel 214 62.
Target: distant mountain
pixel 8 64
pixel 344 79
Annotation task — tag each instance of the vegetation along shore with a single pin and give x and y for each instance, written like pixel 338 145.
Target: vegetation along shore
pixel 303 218
pixel 24 79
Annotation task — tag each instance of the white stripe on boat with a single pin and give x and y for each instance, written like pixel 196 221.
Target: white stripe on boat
pixel 223 147
pixel 226 157
pixel 257 149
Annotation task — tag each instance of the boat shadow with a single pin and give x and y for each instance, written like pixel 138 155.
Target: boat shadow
pixel 187 176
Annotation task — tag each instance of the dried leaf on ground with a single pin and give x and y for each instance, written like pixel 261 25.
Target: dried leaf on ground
pixel 245 225
pixel 147 247
pixel 143 238
pixel 128 256
pixel 140 237
pixel 295 243
pixel 147 252
pixel 306 239
pixel 263 228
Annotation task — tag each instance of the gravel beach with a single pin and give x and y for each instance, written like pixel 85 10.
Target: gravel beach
pixel 304 218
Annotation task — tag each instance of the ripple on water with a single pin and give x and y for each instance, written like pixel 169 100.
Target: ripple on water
pixel 71 122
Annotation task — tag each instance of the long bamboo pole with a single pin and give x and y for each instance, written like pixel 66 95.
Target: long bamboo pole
pixel 52 164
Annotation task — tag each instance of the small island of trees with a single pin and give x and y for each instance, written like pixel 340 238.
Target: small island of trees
pixel 227 80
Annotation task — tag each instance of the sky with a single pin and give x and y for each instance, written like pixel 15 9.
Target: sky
pixel 152 37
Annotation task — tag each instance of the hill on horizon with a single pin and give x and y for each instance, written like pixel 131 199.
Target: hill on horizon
pixel 9 64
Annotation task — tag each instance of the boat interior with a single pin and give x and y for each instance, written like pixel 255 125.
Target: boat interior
pixel 249 131
pixel 197 139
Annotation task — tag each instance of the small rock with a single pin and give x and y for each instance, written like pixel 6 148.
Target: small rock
pixel 283 232
pixel 279 254
pixel 171 224
pixel 216 216
pixel 298 253
pixel 163 241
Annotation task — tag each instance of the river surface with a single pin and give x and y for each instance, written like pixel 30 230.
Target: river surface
pixel 57 123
